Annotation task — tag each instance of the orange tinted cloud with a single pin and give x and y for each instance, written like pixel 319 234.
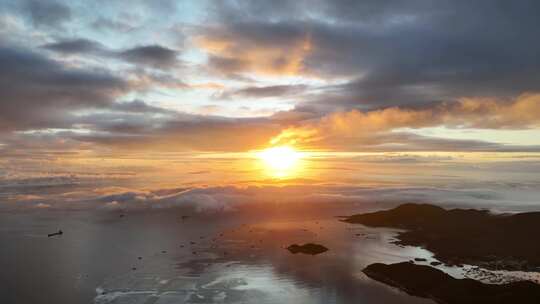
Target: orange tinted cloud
pixel 356 127
pixel 232 54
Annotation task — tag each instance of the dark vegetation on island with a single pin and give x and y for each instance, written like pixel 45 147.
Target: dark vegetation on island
pixel 432 283
pixel 464 236
pixel 308 248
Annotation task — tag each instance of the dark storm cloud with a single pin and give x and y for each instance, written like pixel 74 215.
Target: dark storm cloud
pixel 155 56
pixel 75 46
pixel 398 52
pixel 47 13
pixel 38 92
pixel 138 106
pixel 152 55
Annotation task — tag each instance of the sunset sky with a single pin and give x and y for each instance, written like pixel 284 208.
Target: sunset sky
pixel 115 87
pixel 269 151
pixel 233 75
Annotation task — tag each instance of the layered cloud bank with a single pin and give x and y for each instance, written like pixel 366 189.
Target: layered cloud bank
pixel 292 199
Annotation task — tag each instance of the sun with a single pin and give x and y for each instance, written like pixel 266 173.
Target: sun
pixel 281 161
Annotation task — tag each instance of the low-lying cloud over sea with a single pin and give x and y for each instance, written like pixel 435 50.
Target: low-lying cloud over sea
pixel 506 184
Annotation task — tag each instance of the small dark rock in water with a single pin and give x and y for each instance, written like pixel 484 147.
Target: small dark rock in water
pixel 308 248
pixel 140 258
pixel 59 232
pixel 428 282
pixel 435 263
pixel 164 251
pixel 121 215
pixel 420 259
pixel 134 268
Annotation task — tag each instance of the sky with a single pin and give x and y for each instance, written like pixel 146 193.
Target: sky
pixel 88 83
pixel 241 75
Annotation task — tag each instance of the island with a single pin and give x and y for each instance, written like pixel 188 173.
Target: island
pixel 428 282
pixel 464 236
pixel 309 248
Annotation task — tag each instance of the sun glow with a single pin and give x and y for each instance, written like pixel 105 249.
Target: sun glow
pixel 280 161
